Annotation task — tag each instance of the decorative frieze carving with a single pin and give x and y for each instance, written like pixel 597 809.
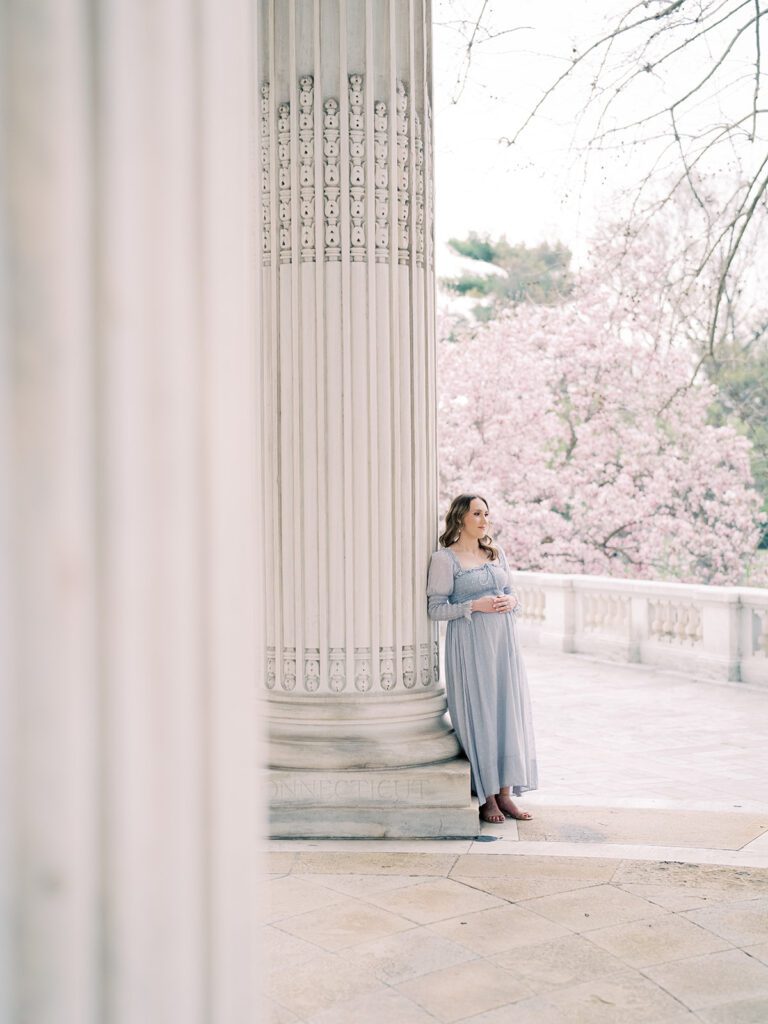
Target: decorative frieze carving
pixel 403 198
pixel 387 676
pixel 409 667
pixel 392 671
pixel 307 167
pixel 407 200
pixel 266 213
pixel 284 179
pixel 425 674
pixel 337 679
pixel 356 168
pixel 418 193
pixel 381 180
pixel 363 669
pixel 311 669
pixel 331 179
pixel 288 681
pixel 429 190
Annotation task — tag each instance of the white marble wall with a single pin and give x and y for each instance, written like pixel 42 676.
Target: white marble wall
pixel 129 515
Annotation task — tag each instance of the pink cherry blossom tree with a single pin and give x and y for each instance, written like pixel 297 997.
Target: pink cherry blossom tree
pixel 592 445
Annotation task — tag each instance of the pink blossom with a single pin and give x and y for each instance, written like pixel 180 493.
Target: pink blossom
pixel 593 447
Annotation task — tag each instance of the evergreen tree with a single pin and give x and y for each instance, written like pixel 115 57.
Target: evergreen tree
pixel 539 274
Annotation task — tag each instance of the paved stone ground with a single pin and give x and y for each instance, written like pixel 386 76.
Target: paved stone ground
pixel 639 892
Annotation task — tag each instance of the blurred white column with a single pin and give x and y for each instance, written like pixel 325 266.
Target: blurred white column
pixel 349 423
pixel 129 514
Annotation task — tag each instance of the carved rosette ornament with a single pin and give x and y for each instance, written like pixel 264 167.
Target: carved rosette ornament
pixel 338 673
pixel 331 179
pixel 289 669
pixel 387 677
pixel 356 168
pixel 418 193
pixel 363 670
pixel 307 167
pixel 381 180
pixel 311 670
pixel 266 213
pixel 284 179
pixel 403 199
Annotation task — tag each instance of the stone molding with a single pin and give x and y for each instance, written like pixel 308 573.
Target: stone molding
pixel 394 672
pixel 341 731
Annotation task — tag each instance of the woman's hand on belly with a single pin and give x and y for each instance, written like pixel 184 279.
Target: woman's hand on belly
pixel 494 603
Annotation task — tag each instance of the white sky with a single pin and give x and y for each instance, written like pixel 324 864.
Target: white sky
pixel 533 191
pixel 539 189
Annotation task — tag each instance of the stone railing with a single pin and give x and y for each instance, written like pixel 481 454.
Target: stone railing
pixel 711 632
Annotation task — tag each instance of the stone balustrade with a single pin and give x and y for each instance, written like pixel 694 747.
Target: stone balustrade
pixel 718 633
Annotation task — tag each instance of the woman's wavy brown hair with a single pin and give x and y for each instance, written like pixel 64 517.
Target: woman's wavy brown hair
pixel 453 523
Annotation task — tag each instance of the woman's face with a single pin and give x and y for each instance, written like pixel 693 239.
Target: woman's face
pixel 477 520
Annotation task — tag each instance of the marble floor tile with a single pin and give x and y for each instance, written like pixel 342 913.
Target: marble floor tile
pixel 320 984
pixel 752 882
pixel 712 979
pixel 744 923
pixel 759 952
pixel 617 999
pixel 539 1010
pixel 288 896
pixel 382 863
pixel 620 851
pixel 284 950
pixel 386 1007
pixel 407 955
pixel 759 845
pixel 514 889
pixel 513 866
pixel 535 1010
pixel 435 900
pixel 741 1011
pixel 596 907
pixel 565 961
pixel 277 1014
pixel 642 943
pixel 344 924
pixel 498 930
pixel 456 992
pixel 701 830
pixel 677 898
pixel 364 885
pixel 278 863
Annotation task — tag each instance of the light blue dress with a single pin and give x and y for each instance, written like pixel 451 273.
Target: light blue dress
pixel 485 678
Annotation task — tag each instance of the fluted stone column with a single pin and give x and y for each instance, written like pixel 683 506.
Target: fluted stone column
pixel 130 620
pixel 349 422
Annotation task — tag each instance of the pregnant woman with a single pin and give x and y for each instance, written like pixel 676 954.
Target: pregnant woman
pixel 487 690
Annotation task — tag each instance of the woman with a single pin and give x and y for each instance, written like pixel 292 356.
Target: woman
pixel 469 585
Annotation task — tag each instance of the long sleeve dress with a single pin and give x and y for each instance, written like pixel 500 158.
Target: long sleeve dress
pixel 485 680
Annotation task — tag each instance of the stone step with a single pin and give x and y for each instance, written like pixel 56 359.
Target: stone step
pixel 421 802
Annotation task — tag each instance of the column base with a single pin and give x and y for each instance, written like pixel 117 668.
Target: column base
pixel 424 802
